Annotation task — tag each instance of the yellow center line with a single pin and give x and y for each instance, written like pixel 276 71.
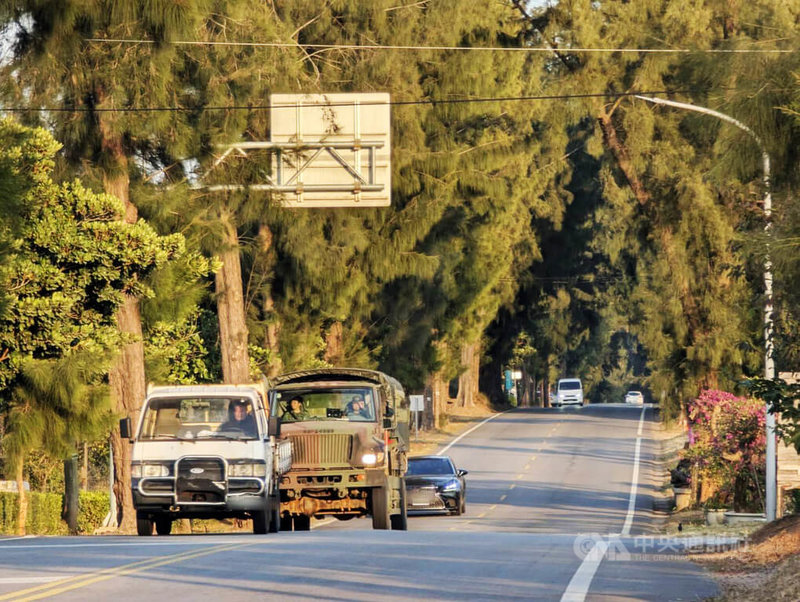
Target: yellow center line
pixel 493 507
pixel 512 486
pixel 533 458
pixel 519 476
pixel 481 515
pixel 65 585
pixel 527 466
pixel 503 497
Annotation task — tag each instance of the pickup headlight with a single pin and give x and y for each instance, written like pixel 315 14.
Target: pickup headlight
pixel 145 469
pixel 452 485
pixel 247 469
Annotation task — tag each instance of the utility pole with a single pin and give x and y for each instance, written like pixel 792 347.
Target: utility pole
pixel 769 349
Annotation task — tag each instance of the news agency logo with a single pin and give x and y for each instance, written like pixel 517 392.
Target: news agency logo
pixel 596 547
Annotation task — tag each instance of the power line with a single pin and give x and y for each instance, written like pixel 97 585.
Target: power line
pixel 548 50
pixel 341 103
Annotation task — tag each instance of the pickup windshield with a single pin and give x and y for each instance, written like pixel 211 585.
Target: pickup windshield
pixel 193 418
pixel 300 405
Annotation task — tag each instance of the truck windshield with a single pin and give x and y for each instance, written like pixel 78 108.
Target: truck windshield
pixel 199 418
pixel 299 405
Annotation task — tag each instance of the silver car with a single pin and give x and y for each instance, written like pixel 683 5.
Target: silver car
pixel 634 397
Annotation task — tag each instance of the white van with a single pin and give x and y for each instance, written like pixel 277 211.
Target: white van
pixel 569 391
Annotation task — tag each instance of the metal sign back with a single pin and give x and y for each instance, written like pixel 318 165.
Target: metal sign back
pixel 331 150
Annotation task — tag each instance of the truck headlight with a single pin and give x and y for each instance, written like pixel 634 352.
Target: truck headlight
pixel 247 469
pixel 369 459
pixel 145 469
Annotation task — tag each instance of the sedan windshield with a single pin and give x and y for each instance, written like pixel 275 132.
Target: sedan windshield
pixel 199 418
pixel 430 466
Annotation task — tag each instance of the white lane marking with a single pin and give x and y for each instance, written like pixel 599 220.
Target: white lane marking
pixel 5 580
pixel 465 433
pixel 626 528
pixel 136 544
pixel 582 579
pixel 579 584
pixel 15 538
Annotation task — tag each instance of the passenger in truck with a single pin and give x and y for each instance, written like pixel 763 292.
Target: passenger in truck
pixel 239 420
pixel 296 410
pixel 356 409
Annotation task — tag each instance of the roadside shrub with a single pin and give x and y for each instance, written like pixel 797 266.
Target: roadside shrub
pixel 727 443
pixel 93 508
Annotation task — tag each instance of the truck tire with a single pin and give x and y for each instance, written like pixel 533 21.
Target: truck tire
pixel 144 524
pixel 286 523
pixel 302 523
pixel 163 525
pixel 261 520
pixel 275 522
pixel 400 521
pixel 380 508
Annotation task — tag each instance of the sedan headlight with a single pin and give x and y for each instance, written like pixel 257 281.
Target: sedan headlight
pixel 149 470
pixel 452 485
pixel 247 469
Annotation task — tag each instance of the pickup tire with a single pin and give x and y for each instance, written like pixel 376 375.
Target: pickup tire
pixel 261 520
pixel 400 521
pixel 275 521
pixel 380 508
pixel 163 525
pixel 144 524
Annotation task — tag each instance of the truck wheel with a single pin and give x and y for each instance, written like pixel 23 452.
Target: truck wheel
pixel 260 521
pixel 302 523
pixel 286 523
pixel 144 525
pixel 275 521
pixel 380 508
pixel 163 525
pixel 400 521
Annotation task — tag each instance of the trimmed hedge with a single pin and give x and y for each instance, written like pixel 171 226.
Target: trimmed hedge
pixel 44 512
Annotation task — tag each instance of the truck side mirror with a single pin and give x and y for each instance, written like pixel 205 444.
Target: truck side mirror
pixel 387 423
pixel 125 428
pixel 274 426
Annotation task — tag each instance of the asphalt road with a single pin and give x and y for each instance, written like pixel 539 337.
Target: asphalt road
pixel 557 509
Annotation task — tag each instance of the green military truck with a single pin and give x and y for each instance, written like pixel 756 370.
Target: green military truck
pixel 349 430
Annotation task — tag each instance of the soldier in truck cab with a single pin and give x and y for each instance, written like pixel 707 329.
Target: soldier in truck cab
pixel 357 409
pixel 295 410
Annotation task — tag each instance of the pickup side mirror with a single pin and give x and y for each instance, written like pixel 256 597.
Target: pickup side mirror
pixel 274 426
pixel 125 428
pixel 462 473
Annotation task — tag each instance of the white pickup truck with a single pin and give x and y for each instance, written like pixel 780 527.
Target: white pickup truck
pixel 206 451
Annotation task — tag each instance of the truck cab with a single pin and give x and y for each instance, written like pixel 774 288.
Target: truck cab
pixel 349 430
pixel 205 451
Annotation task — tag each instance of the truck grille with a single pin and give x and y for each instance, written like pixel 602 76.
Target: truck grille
pixel 313 449
pixel 201 481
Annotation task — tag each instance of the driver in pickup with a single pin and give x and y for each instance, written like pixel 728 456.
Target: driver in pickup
pixel 239 420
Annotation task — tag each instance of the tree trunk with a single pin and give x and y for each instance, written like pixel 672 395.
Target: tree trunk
pixel 622 157
pixel 127 377
pixel 435 410
pixel 128 388
pixel 70 509
pixel 85 467
pixel 273 329
pixel 22 498
pixel 230 310
pixel 334 345
pixel 468 380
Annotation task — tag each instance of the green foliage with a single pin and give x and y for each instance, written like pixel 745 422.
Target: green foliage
pixel 93 508
pixel 44 512
pixel 43 518
pixel 782 399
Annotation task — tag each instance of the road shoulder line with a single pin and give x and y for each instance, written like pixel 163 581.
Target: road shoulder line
pixel 467 432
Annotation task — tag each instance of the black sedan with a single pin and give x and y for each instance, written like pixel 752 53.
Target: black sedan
pixel 433 484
